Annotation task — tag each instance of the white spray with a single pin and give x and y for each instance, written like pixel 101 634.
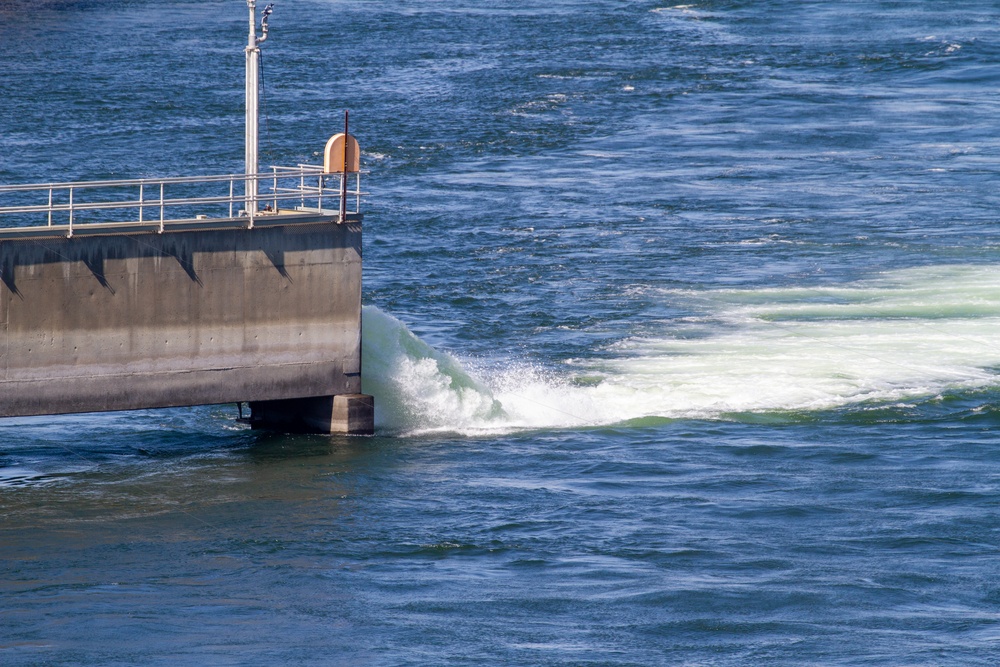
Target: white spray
pixel 907 336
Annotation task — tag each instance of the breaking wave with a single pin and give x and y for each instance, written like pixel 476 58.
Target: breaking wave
pixel 908 335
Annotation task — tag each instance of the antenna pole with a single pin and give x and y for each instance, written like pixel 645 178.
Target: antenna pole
pixel 252 86
pixel 253 67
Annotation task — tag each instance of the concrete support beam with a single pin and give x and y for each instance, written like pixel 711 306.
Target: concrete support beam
pixel 346 413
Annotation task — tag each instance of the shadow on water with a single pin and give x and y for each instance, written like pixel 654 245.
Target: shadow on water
pixel 269 446
pixel 220 486
pixel 160 460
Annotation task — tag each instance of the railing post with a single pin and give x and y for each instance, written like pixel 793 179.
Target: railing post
pixel 50 207
pixel 343 196
pixel 250 207
pixel 232 181
pixel 70 213
pixel 274 191
pixel 162 184
pixel 142 188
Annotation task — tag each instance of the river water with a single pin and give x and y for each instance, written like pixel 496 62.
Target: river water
pixel 681 322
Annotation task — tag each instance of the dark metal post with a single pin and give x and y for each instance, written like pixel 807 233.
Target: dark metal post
pixel 343 175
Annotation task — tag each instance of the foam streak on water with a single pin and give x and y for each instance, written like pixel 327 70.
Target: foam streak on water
pixel 904 336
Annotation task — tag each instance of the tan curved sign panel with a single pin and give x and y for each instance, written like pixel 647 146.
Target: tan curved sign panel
pixel 334 161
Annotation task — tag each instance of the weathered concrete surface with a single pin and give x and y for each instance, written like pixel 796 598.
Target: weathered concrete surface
pixel 121 322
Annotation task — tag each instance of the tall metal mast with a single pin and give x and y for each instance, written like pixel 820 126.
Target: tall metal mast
pixel 252 86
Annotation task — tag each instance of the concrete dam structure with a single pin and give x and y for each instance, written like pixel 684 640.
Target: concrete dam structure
pixel 150 293
pixel 270 315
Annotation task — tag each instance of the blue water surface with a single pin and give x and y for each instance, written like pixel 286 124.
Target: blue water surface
pixel 681 321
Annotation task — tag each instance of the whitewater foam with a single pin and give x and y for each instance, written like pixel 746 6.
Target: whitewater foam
pixel 905 336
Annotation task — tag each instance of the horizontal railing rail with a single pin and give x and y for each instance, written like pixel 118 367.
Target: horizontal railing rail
pixel 71 205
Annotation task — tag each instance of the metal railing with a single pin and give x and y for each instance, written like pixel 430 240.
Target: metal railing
pixel 160 201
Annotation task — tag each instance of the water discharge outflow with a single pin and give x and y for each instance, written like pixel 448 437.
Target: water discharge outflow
pixel 905 336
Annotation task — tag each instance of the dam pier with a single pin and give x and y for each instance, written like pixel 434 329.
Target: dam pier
pixel 192 290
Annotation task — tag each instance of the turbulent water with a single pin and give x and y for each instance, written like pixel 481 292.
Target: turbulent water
pixel 681 322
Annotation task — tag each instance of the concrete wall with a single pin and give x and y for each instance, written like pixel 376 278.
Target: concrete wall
pixel 181 318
